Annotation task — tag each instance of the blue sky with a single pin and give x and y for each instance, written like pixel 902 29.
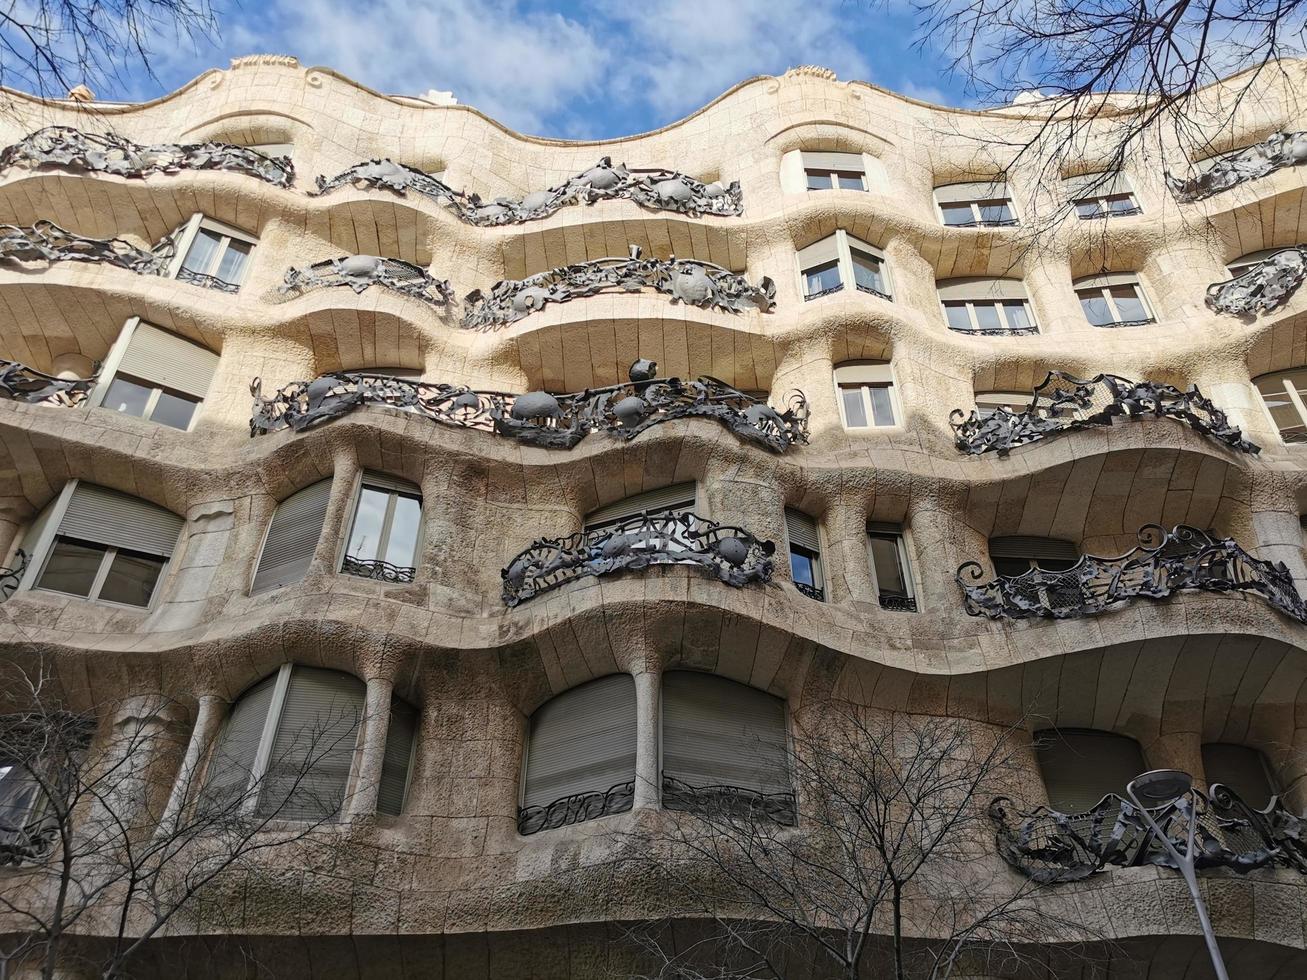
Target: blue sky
pixel 570 68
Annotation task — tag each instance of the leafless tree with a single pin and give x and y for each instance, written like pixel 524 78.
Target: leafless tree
pixel 883 865
pixel 99 857
pixel 50 46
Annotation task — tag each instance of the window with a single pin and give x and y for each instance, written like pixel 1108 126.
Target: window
pixel 987 306
pixel 104 546
pixel 1114 300
pixel 1017 554
pixel 1243 769
pixel 387 526
pixel 1101 195
pixel 1285 396
pixel 580 756
pixel 292 538
pixel 1081 766
pixel 834 171
pixel 805 554
pixel 1245 263
pixel 889 563
pixel 156 375
pixel 288 747
pixel 211 254
pixel 867 396
pixel 724 745
pixel 21 806
pixel 985 204
pixel 840 261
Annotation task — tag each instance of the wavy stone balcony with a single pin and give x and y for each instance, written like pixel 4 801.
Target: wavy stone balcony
pixel 1264 288
pixel 1052 847
pixel 359 272
pixel 539 418
pixel 1163 564
pixel 730 554
pixel 656 190
pixel 1064 403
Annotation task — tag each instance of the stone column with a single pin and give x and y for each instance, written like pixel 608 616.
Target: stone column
pixel 1177 750
pixel 848 570
pixel 376 724
pixel 648 778
pixel 207 720
pixel 809 368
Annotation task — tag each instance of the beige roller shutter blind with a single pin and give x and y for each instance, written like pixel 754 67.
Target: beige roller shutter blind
pixel 833 161
pixel 1106 280
pixel 582 741
pixel 677 497
pixel 169 361
pixel 802 530
pixel 308 768
pixel 383 481
pixel 981 289
pixel 232 761
pixel 717 732
pixel 292 537
pixel 115 519
pixel 819 253
pixel 1094 185
pixel 1081 767
pixel 395 763
pixel 1029 546
pixel 974 191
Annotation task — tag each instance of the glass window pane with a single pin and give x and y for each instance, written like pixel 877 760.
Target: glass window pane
pixel 1088 209
pixel 1118 203
pixel 402 544
pixel 127 397
pixel 818 181
pixel 1097 312
pixel 885 560
pixel 173 410
pixel 1297 381
pixel 131 578
pixel 1129 303
pixel 365 536
pixel 1011 567
pixel 882 406
pixel 957 214
pixel 804 568
pixel 232 267
pixel 987 316
pixel 19 793
pixel 822 278
pixel 850 181
pixel 1283 411
pixel 855 410
pixel 203 250
pixel 72 567
pixel 995 211
pixel 1018 316
pixel 957 315
pixel 866 271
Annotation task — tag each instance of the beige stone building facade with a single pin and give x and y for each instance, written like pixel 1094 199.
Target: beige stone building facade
pixel 459 507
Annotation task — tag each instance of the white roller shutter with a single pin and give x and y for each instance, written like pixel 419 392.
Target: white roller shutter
pixel 981 289
pixel 395 763
pixel 677 497
pixel 852 162
pixel 231 764
pixel 987 190
pixel 802 530
pixel 383 481
pixel 819 253
pixel 1101 184
pixel 308 767
pixel 115 519
pixel 169 361
pixel 1030 546
pixel 1081 767
pixel 1106 280
pixel 717 732
pixel 292 537
pixel 582 741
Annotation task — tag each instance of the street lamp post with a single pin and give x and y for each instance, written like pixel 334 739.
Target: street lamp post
pixel 1160 787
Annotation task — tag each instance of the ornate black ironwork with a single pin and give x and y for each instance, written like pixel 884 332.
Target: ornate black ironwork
pixel 1164 563
pixel 207 281
pixel 658 190
pixel 730 554
pixel 873 291
pixel 985 223
pixel 1113 324
pixel 11 577
pixel 378 570
pixel 729 801
pixel 358 272
pixel 823 292
pixel 1111 213
pixel 1048 846
pixel 897 603
pixel 45 241
pixel 66 148
pixel 576 809
pixel 20 383
pixel 811 591
pixel 1064 403
pixel 1264 287
pixel 31 842
pixel 701 284
pixel 996 331
pixel 1277 151
pixel 539 418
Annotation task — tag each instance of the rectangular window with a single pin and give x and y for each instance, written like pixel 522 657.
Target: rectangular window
pixel 805 554
pixel 958 317
pixel 1284 395
pixel 889 559
pixel 855 406
pixel 849 181
pixel 867 273
pixel 1107 206
pixel 1129 303
pixel 996 316
pixel 216 258
pixel 873 400
pixel 383 539
pixel 819 180
pixel 96 571
pixel 995 212
pixel 957 215
pixel 1094 303
pixel 133 396
pixel 1114 305
pixel 822 280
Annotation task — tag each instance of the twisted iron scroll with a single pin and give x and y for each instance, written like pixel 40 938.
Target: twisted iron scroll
pixel 730 554
pixel 1064 403
pixel 576 808
pixel 1164 563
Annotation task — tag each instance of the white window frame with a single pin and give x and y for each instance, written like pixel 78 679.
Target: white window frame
pixel 795 165
pixel 1103 286
pixel 109 371
pixel 814 557
pixel 865 375
pixel 845 246
pixel 903 545
pixel 185 237
pixel 1295 399
pixel 986 291
pixel 1110 184
pixel 383 543
pixel 977 222
pixel 106 561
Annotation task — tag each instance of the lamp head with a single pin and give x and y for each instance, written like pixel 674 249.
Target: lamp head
pixel 1160 786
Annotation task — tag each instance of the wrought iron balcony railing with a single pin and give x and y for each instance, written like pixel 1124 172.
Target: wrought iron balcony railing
pixel 1264 287
pixel 20 383
pixel 729 802
pixel 1164 563
pixel 45 241
pixel 576 809
pixel 378 570
pixel 701 284
pixel 730 554
pixel 873 291
pixel 358 272
pixel 1115 324
pixel 657 190
pixel 539 418
pixel 807 297
pixel 11 578
pixel 1111 213
pixel 984 223
pixel 811 591
pixel 1277 151
pixel 1064 403
pixel 66 148
pixel 207 281
pixel 996 331
pixel 1048 846
pixel 896 602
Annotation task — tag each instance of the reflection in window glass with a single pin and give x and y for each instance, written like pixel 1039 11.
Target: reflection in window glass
pixel 803 566
pixel 1129 304
pixel 890 575
pixel 987 316
pixel 365 540
pixel 127 397
pixel 202 251
pixel 232 266
pixel 823 278
pixel 1018 316
pixel 1097 312
pixel 956 214
pixel 1278 393
pixel 849 181
pixel 174 410
pixel 72 567
pixel 818 181
pixel 1120 203
pixel 855 412
pixel 957 315
pixel 882 406
pixel 995 212
pixel 404 526
pixel 866 271
pixel 131 578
